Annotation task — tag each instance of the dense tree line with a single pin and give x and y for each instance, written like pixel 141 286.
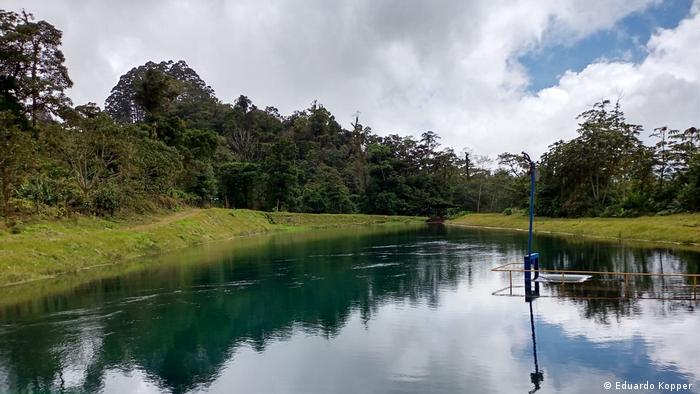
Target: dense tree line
pixel 164 139
pixel 608 171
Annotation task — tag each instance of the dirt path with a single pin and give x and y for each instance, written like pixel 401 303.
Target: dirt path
pixel 166 220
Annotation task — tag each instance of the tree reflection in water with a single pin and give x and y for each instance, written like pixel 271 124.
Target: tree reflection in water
pixel 180 324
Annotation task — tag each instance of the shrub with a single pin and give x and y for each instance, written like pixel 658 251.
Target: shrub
pixel 105 201
pixel 453 213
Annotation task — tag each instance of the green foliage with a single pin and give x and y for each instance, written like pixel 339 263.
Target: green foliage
pixel 690 194
pixel 282 175
pixel 104 200
pixel 155 167
pixel 152 87
pixel 240 184
pixel 164 140
pixel 326 193
pixel 155 92
pixel 583 176
pixel 32 74
pixel 607 171
pixel 16 154
pixel 39 190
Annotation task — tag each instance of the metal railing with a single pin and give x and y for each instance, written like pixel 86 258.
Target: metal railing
pixel 512 268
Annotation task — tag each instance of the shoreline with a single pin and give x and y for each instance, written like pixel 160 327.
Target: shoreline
pixel 51 249
pixel 71 248
pixel 588 236
pixel 678 231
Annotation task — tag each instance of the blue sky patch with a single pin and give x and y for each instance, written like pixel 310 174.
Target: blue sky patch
pixel 626 41
pixel 629 360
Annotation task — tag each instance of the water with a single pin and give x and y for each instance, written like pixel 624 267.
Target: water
pixel 353 311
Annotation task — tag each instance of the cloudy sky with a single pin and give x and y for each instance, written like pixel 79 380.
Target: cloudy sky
pixel 491 76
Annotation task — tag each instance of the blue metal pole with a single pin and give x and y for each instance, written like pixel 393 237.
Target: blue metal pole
pixel 529 260
pixel 532 206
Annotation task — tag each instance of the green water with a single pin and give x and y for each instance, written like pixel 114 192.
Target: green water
pixel 377 310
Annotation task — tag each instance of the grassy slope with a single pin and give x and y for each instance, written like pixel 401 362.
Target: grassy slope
pixel 682 228
pixel 46 249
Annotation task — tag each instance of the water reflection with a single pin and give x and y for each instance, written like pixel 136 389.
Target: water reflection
pixel 537 376
pixel 384 310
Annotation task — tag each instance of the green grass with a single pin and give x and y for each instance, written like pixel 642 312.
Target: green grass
pixel 682 228
pixel 49 248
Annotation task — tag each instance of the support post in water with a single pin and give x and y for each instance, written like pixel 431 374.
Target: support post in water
pixel 532 263
pixel 532 259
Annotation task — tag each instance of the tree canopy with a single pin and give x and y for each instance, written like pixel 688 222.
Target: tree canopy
pixel 33 76
pixel 164 139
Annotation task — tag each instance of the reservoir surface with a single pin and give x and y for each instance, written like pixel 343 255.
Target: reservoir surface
pixel 391 309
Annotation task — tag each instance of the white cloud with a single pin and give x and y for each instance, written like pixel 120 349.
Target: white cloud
pixel 661 326
pixel 408 66
pixel 664 89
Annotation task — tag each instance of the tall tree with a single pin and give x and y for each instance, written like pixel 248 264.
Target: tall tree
pixel 32 71
pixel 609 143
pixel 123 105
pixel 662 154
pixel 282 174
pixel 683 146
pixel 591 173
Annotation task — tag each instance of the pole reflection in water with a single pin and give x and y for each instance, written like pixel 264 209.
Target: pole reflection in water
pixel 538 376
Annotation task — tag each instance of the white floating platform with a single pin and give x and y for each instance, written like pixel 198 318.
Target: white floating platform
pixel 558 278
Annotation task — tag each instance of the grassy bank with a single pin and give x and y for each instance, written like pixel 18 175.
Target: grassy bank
pixel 682 228
pixel 46 249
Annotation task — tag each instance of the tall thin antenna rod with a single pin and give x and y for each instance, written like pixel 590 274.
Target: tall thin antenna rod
pixel 532 200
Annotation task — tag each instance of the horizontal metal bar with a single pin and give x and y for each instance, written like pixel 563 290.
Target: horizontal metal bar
pixel 501 266
pixel 688 298
pixel 557 271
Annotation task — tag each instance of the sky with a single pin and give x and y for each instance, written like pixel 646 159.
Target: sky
pixel 487 76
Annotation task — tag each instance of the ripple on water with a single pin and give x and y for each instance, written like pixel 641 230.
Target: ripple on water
pixel 235 283
pixel 370 266
pixel 130 300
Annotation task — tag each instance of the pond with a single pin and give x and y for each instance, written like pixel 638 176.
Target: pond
pixel 361 310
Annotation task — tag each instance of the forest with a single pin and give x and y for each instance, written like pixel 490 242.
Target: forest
pixel 164 140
